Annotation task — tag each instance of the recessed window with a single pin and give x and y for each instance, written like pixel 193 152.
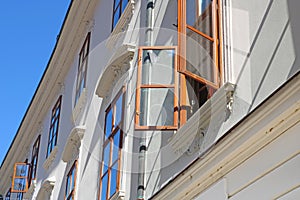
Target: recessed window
pixel 54 125
pixel 119 7
pixel 71 182
pixel 156 101
pixel 199 53
pixel 110 167
pixel 34 158
pixel 82 67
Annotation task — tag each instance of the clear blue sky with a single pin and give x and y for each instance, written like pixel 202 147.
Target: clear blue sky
pixel 27 37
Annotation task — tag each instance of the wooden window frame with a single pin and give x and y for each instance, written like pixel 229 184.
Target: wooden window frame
pixel 21 177
pixel 54 119
pixel 117 8
pixel 109 139
pixel 140 86
pixel 182 26
pixel 216 39
pixel 82 67
pixel 34 159
pixel 71 193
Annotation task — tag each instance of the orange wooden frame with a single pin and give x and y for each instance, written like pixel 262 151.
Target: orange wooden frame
pixel 182 26
pixel 72 192
pixel 140 86
pixel 20 177
pixel 110 139
pixel 216 38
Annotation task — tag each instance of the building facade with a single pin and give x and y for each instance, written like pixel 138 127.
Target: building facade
pixel 164 99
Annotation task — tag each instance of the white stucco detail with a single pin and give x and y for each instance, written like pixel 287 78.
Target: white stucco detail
pixel 46 189
pixel 50 158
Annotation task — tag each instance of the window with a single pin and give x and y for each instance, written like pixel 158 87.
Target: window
pixel 53 133
pixel 199 53
pixel 113 134
pixel 71 182
pixel 13 196
pixel 119 7
pixel 34 159
pixel 82 67
pixel 156 101
pixel 20 177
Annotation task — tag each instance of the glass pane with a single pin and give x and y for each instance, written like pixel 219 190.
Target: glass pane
pixel 108 124
pixel 158 66
pixel 104 185
pixel 73 179
pixel 199 56
pixel 124 4
pixel 116 18
pixel 157 107
pixel 68 186
pixel 116 146
pixel 106 157
pixel 113 182
pixel 20 184
pixel 119 106
pixel 117 2
pixel 22 170
pixel 199 15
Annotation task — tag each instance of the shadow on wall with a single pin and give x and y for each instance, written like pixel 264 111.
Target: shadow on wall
pixel 267 54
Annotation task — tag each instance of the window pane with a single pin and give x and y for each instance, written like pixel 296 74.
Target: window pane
pixel 116 18
pixel 124 4
pixel 108 124
pixel 113 182
pixel 106 157
pixel 158 66
pixel 157 107
pixel 116 146
pixel 73 179
pixel 199 15
pixel 68 186
pixel 199 56
pixel 116 4
pixel 22 170
pixel 20 184
pixel 104 187
pixel 119 110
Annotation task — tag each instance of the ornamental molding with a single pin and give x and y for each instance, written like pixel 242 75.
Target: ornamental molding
pixel 50 158
pixel 120 195
pixel 193 136
pixel 46 189
pixel 73 144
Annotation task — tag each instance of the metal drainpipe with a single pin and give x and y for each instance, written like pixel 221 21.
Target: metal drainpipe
pixel 142 145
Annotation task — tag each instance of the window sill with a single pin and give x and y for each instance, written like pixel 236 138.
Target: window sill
pixel 31 189
pixel 50 158
pixel 122 25
pixel 73 144
pixel 189 137
pixel 46 189
pixel 118 65
pixel 120 195
pixel 79 107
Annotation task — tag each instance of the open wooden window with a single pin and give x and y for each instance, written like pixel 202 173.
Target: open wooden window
pixel 20 177
pixel 156 99
pixel 53 132
pixel 111 156
pixel 82 67
pixel 71 182
pixel 34 159
pixel 199 53
pixel 119 7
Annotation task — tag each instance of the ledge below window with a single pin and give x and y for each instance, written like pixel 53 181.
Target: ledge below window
pixel 46 189
pixel 79 106
pixel 118 65
pixel 122 25
pixel 120 195
pixel 73 144
pixel 191 135
pixel 50 158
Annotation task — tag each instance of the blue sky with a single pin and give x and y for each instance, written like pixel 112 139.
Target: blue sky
pixel 27 37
